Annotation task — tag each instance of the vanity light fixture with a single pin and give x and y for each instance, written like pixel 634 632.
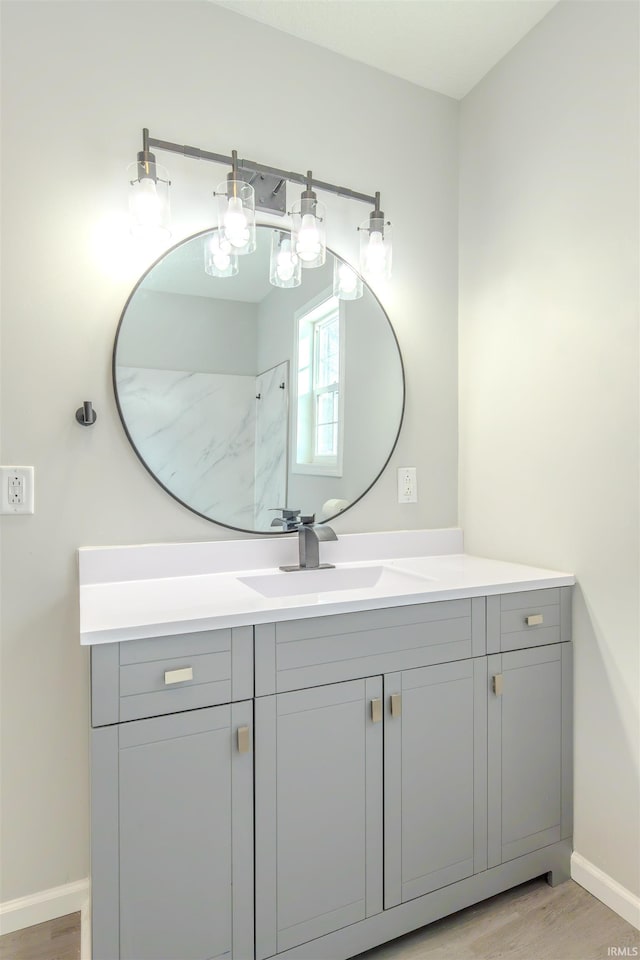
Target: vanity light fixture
pixel 248 186
pixel 285 266
pixel 220 258
pixel 148 195
pixel 347 284
pixel 375 245
pixel 308 227
pixel 237 210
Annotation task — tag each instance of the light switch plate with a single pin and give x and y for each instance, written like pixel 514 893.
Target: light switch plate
pixel 16 490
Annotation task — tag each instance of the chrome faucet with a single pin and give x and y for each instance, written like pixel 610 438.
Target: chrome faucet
pixel 309 537
pixel 290 519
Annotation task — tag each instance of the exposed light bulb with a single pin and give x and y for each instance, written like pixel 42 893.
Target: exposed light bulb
pixel 220 252
pixel 376 254
pixel 149 217
pixel 348 279
pixel 375 244
pixel 220 259
pixel 236 226
pixel 146 204
pixel 286 262
pixel 285 270
pixel 284 265
pixel 347 284
pixel 308 244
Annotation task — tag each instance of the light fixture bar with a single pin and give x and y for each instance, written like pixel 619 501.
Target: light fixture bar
pixel 197 154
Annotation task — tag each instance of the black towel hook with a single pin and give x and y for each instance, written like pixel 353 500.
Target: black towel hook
pixel 85 414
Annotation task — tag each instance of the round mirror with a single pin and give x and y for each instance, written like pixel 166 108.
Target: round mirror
pixel 242 398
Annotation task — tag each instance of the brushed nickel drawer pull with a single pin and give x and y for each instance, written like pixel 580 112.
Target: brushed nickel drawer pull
pixel 497 684
pixel 376 710
pixel 534 620
pixel 178 676
pixel 396 704
pixel 243 740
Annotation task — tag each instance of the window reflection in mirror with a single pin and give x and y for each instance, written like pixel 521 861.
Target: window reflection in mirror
pixel 320 387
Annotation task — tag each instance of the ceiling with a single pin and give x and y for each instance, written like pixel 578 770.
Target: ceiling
pixel 443 45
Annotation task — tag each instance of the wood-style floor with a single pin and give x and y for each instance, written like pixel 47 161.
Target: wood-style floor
pixel 55 940
pixel 531 922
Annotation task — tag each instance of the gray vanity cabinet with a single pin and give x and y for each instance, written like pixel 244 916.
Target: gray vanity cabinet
pixel 393 765
pixel 530 701
pixel 172 800
pixel 529 750
pixel 409 761
pixel 318 812
pixel 322 798
pixel 435 778
pixel 340 835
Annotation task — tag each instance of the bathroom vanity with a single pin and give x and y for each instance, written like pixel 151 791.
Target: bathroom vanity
pixel 280 769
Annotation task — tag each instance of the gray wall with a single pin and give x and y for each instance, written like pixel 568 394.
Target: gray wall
pixel 549 369
pixel 172 331
pixel 79 81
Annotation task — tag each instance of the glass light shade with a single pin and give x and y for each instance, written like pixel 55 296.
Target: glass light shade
pixel 285 267
pixel 347 284
pixel 149 212
pixel 236 202
pixel 308 232
pixel 219 257
pixel 375 249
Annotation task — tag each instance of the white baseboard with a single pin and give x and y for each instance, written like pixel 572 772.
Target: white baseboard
pixel 609 891
pixel 48 905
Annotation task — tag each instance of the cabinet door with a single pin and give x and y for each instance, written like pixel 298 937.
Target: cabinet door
pixel 529 719
pixel 172 824
pixel 318 812
pixel 435 777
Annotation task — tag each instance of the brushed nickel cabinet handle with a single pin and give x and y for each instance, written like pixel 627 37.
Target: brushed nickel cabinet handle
pixel 376 709
pixel 534 620
pixel 243 740
pixel 178 676
pixel 498 684
pixel 396 704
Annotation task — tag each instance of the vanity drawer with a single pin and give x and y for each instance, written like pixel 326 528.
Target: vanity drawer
pixel 295 654
pixel 158 675
pixel 532 618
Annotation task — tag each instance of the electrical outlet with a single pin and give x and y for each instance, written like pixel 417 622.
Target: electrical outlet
pixel 407 485
pixel 16 493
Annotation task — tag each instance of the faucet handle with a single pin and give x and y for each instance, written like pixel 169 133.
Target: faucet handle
pixel 308 521
pixel 289 519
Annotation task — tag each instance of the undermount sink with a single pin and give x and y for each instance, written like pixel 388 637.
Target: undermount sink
pixel 301 582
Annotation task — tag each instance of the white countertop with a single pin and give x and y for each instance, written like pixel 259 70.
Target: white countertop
pixel 145 603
